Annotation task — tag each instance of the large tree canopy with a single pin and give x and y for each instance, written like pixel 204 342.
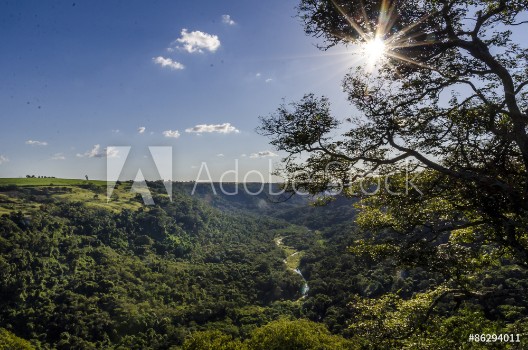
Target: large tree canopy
pixel 447 101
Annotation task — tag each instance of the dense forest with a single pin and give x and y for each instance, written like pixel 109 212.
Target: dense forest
pixel 206 272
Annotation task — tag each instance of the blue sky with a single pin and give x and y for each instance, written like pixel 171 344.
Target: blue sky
pixel 77 74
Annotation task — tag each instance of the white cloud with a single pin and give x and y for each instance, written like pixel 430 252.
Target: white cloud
pixel 116 131
pixel 58 156
pixel 198 41
pixel 97 152
pixel 226 19
pixel 263 154
pixel 220 155
pixel 258 75
pixel 112 152
pixel 225 128
pixel 141 129
pixel 168 62
pixel 243 155
pixel 171 134
pixel 3 159
pixel 36 143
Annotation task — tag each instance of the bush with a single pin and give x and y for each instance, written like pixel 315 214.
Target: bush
pixel 9 341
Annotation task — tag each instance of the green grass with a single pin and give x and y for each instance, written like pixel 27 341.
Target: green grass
pixel 293 257
pixel 293 261
pixel 48 182
pixel 121 199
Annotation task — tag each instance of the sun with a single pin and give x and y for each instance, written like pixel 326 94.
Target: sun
pixel 379 45
pixel 374 50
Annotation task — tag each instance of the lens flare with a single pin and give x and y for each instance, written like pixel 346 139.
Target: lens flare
pixel 379 43
pixel 374 50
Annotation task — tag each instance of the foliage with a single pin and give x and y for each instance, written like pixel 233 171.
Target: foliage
pixel 277 335
pixel 295 335
pixel 473 148
pixel 211 340
pixel 73 276
pixel 9 341
pixel 437 155
pixel 183 273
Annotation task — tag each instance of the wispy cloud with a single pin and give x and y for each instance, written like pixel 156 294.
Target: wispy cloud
pixel 168 63
pixel 171 134
pixel 263 154
pixel 58 156
pixel 220 155
pixel 259 76
pixel 97 152
pixel 226 19
pixel 197 41
pixel 141 129
pixel 116 131
pixel 3 159
pixel 112 152
pixel 225 128
pixel 36 143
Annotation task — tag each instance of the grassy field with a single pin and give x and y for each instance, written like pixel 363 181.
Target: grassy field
pixel 48 182
pixel 122 198
pixel 293 257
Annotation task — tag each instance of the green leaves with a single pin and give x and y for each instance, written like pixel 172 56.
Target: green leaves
pixel 444 114
pixel 276 335
pixel 300 129
pixel 10 341
pixel 72 276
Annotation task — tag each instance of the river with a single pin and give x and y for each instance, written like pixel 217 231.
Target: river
pixel 305 288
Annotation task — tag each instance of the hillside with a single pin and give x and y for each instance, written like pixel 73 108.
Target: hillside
pixel 205 271
pixel 78 272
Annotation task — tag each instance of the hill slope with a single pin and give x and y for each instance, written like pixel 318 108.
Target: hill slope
pixel 77 272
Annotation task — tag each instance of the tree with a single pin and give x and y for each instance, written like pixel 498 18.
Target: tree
pixel 447 102
pixel 473 146
pixel 211 340
pixel 298 334
pixel 10 341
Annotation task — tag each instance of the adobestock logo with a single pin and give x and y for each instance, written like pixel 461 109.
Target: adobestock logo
pixel 116 159
pixel 204 172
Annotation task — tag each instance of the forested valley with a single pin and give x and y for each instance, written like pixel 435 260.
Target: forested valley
pixel 206 272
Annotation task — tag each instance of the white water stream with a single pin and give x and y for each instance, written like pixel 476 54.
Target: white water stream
pixel 305 288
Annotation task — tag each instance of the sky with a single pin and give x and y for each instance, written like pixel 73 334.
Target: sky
pixel 84 79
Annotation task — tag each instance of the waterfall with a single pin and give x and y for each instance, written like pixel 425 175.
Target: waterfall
pixel 305 287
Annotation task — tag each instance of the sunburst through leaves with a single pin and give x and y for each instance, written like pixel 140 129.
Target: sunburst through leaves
pixel 379 41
